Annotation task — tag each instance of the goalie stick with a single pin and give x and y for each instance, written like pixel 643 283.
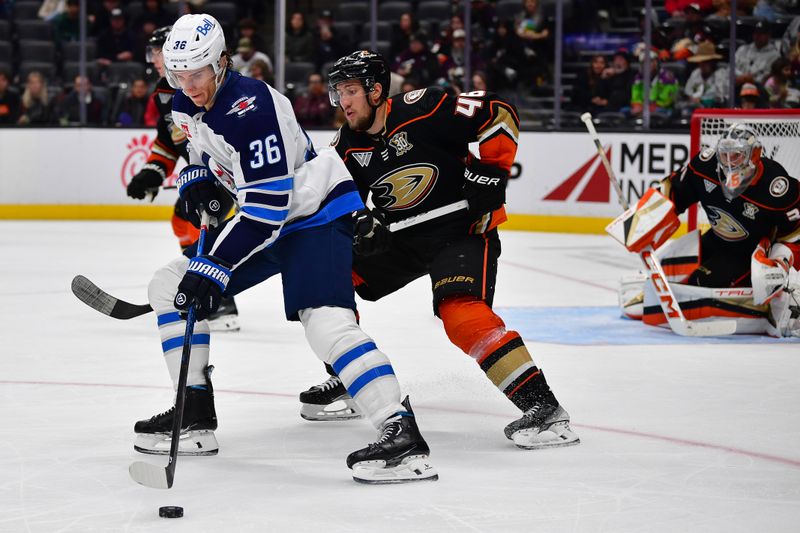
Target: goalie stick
pixel 98 299
pixel 669 304
pixel 155 476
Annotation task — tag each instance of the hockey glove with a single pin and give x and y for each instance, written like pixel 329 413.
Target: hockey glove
pixel 147 181
pixel 769 270
pixel 484 187
pixel 203 284
pixel 199 192
pixel 372 234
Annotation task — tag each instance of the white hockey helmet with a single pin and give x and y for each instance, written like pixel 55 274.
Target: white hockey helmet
pixel 194 42
pixel 738 154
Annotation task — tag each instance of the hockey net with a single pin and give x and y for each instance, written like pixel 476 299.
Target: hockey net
pixel 778 130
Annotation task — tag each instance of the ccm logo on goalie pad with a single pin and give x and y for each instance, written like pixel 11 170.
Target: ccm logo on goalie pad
pixel 662 289
pixel 481 180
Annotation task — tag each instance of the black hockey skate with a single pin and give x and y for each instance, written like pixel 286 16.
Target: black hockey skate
pixel 328 401
pixel 400 454
pixel 198 424
pixel 226 318
pixel 545 425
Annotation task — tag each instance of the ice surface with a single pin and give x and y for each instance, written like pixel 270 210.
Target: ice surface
pixel 676 436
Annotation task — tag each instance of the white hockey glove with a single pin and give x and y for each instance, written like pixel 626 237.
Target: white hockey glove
pixel 770 270
pixel 648 223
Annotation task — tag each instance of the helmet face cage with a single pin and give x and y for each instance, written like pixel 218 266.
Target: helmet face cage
pixel 366 66
pixel 738 151
pixel 195 41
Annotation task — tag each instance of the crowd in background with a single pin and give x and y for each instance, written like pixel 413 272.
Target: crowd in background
pixel 424 42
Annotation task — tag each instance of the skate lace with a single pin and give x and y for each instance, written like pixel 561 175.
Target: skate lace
pixel 391 428
pixel 531 413
pixel 330 383
pixel 161 415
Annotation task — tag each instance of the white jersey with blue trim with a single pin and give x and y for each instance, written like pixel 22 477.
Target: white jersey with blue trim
pixel 251 141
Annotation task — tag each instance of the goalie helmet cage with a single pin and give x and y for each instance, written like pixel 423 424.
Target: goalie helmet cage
pixel 778 130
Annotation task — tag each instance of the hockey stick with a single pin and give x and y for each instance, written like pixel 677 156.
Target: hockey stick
pixel 428 215
pixel 100 300
pixel 155 476
pixel 669 303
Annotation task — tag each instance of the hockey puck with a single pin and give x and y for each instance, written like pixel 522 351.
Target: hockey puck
pixel 170 511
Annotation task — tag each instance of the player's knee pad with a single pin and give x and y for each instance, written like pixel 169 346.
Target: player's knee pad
pixel 471 325
pixel 164 284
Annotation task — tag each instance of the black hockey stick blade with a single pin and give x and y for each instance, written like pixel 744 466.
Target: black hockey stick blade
pixel 100 300
pixel 150 475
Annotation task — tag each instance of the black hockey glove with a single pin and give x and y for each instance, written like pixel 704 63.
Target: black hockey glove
pixel 199 192
pixel 372 234
pixel 484 187
pixel 204 282
pixel 147 181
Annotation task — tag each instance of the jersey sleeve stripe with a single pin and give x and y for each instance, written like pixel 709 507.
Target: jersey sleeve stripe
pixel 334 209
pixel 501 106
pixel 281 185
pixel 271 199
pixel 265 213
pixel 502 120
pixel 404 124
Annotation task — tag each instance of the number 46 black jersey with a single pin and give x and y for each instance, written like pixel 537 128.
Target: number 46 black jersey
pixel 417 162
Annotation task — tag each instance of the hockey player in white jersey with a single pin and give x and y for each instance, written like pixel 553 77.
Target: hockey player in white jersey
pixel 294 218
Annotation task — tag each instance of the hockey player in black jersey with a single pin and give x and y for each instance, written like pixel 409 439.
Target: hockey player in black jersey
pixel 753 206
pixel 169 146
pixel 410 152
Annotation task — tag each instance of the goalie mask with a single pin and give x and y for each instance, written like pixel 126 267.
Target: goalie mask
pixel 195 41
pixel 738 155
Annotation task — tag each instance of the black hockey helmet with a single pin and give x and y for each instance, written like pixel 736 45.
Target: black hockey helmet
pixel 364 65
pixel 159 37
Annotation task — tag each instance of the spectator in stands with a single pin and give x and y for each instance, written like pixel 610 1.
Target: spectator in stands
pixel 101 16
pixel 327 46
pixel 663 88
pixel 618 81
pixel 259 70
pixel 51 9
pixel 479 81
pixel 67 24
pixel 749 96
pixel 36 107
pixel 678 8
pixel 453 63
pixel 9 100
pixel 506 60
pixel 299 41
pixel 754 60
pixel 117 43
pixel 248 28
pixel 778 86
pixel 132 108
pixel 153 13
pixel 418 62
pixel 707 85
pixel 313 108
pixel 793 54
pixel 589 92
pixel 445 40
pixel 531 27
pixel 68 107
pixel 401 33
pixel 246 55
pixel 722 8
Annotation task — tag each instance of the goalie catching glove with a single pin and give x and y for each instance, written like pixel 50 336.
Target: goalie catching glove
pixel 199 192
pixel 204 282
pixel 484 187
pixel 770 270
pixel 372 234
pixel 648 223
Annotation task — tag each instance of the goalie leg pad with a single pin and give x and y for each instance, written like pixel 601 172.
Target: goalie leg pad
pixel 171 327
pixel 337 339
pixel 191 443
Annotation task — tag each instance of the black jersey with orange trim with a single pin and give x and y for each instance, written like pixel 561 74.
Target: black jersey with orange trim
pixel 417 163
pixel 769 207
pixel 170 143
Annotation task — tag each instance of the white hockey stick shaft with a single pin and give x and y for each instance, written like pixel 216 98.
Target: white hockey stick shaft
pixel 428 215
pixel 669 303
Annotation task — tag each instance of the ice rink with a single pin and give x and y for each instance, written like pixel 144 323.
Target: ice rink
pixel 677 434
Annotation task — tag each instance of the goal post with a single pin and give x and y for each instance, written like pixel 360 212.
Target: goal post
pixel 778 130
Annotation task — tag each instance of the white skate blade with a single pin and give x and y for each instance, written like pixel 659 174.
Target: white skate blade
pixel 192 443
pixel 556 435
pixel 225 323
pixel 339 410
pixel 413 468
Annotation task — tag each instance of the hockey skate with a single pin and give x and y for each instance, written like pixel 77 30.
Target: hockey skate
pixel 545 425
pixel 328 401
pixel 198 425
pixel 226 318
pixel 400 455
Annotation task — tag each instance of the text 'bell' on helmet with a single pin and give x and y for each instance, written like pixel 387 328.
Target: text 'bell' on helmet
pixel 194 42
pixel 738 154
pixel 364 65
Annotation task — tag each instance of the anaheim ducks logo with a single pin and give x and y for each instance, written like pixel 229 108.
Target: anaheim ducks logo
pixel 725 225
pixel 405 187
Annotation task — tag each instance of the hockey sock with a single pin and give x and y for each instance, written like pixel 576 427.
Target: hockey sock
pixel 171 327
pixel 336 338
pixel 184 231
pixel 471 325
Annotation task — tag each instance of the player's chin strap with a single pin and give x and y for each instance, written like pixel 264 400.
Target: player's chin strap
pixel 669 303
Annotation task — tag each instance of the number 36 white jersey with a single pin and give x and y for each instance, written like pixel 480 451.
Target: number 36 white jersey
pixel 251 141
